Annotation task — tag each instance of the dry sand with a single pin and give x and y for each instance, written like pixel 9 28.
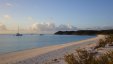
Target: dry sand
pixel 45 55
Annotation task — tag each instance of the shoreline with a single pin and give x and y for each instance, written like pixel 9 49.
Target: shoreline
pixel 30 48
pixel 40 47
pixel 41 55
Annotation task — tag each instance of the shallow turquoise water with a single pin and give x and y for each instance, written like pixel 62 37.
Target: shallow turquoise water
pixel 11 43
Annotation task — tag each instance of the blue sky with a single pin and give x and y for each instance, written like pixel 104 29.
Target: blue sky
pixel 79 13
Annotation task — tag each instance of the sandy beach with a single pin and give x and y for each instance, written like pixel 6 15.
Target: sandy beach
pixel 45 55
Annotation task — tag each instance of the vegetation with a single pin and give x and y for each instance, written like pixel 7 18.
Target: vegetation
pixel 85 32
pixel 107 41
pixel 83 56
pixel 86 57
pixel 71 59
pixel 101 43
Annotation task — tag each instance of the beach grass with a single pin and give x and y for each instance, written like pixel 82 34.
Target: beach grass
pixel 108 40
pixel 84 56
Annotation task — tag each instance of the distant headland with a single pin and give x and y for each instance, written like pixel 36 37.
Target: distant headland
pixel 85 32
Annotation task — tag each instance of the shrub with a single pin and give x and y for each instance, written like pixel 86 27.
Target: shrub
pixel 109 39
pixel 106 58
pixel 70 59
pixel 101 43
pixel 85 57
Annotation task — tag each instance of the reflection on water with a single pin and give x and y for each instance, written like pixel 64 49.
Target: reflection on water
pixel 10 43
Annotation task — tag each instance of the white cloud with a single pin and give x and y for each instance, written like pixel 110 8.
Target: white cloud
pixel 66 28
pixel 6 17
pixel 2 27
pixel 51 27
pixel 43 26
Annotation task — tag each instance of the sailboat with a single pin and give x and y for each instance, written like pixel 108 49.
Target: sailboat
pixel 41 34
pixel 18 34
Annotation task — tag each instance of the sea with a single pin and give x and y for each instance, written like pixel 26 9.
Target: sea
pixel 13 43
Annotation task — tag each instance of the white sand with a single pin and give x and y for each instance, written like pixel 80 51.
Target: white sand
pixel 45 55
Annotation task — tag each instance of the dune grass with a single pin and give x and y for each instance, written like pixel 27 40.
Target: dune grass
pixel 108 40
pixel 84 56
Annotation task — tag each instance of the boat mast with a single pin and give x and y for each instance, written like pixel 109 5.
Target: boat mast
pixel 18 28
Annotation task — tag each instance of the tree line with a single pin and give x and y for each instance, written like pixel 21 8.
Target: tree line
pixel 85 32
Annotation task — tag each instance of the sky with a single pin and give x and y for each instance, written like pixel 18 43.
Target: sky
pixel 47 16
